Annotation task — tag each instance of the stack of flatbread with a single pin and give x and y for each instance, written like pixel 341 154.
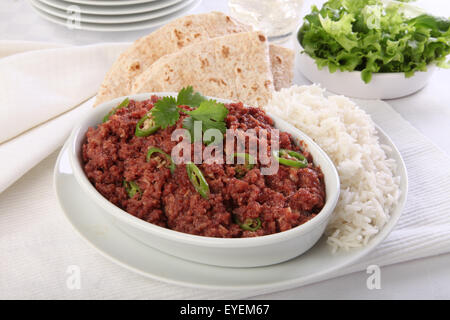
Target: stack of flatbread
pixel 212 52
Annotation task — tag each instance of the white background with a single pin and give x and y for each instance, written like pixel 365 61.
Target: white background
pixel 428 110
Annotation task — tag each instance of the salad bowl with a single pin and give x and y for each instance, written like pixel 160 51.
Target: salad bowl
pixel 371 49
pixel 349 83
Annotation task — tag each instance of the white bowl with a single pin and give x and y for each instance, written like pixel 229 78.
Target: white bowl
pixel 235 252
pixel 349 83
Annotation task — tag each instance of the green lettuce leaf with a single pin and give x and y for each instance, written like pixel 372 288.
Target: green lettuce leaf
pixel 370 36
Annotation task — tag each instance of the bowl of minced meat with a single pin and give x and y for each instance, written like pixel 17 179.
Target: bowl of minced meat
pixel 232 211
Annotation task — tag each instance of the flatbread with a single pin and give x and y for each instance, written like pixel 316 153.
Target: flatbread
pixel 234 67
pixel 282 66
pixel 178 34
pixel 170 38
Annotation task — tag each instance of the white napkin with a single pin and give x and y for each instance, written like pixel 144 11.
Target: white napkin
pixel 43 89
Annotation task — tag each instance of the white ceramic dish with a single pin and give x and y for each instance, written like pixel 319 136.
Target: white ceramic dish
pixel 236 252
pixel 115 27
pixel 91 18
pixel 116 10
pixel 92 224
pixel 349 83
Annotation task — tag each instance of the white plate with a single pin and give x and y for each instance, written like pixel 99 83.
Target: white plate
pixel 108 2
pixel 116 10
pixel 89 18
pixel 112 27
pixel 316 264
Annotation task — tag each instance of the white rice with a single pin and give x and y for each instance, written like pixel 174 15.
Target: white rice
pixel 369 189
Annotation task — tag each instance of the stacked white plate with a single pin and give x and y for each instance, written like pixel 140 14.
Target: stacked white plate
pixel 112 15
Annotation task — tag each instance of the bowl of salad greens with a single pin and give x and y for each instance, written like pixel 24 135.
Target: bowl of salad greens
pixel 372 48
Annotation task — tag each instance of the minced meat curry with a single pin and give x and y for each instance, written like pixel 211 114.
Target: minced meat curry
pixel 128 160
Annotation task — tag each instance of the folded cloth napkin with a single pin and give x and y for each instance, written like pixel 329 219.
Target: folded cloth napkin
pixel 43 90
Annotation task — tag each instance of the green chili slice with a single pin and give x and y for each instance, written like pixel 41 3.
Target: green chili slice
pixel 131 188
pixel 123 104
pixel 291 158
pixel 146 126
pixel 249 159
pixel 249 224
pixel 197 179
pixel 248 165
pixel 153 150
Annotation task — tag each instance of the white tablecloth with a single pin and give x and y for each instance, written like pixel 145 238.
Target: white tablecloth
pixel 428 110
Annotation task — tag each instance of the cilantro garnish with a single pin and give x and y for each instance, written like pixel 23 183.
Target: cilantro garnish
pixel 165 112
pixel 187 97
pixel 211 113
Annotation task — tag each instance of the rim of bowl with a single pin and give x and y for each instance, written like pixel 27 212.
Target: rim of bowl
pixel 110 208
pixel 430 67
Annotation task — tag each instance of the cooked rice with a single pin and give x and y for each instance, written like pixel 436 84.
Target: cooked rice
pixel 369 189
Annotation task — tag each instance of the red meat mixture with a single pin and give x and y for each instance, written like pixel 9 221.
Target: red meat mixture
pixel 113 154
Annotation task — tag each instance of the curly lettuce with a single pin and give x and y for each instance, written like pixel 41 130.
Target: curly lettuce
pixel 373 37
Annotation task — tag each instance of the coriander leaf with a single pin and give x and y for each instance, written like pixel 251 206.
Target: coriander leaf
pixel 211 113
pixel 165 112
pixel 187 97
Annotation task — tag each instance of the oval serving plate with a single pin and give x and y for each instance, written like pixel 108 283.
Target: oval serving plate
pixel 318 263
